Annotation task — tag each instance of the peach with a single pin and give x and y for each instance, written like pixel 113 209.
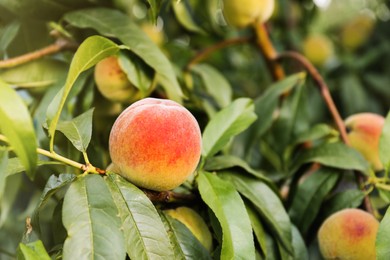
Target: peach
pixel 195 223
pixel 318 49
pixel 113 83
pixel 348 234
pixel 357 31
pixel 155 144
pixel 364 133
pixel 241 13
pixel 155 33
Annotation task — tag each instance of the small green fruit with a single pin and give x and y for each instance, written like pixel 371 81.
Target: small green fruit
pixel 195 223
pixel 357 31
pixel 348 234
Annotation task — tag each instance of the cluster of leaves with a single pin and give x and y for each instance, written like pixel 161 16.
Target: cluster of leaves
pixel 269 173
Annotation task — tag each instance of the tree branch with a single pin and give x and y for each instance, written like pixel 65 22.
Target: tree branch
pixel 58 46
pixel 168 196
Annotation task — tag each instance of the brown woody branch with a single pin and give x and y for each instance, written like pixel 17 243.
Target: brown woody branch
pixel 168 196
pixel 58 46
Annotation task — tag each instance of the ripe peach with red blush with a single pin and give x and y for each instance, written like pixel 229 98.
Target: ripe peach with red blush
pixel 155 144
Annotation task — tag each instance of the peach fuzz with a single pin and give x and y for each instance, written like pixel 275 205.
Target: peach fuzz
pixel 155 144
pixel 365 130
pixel 348 234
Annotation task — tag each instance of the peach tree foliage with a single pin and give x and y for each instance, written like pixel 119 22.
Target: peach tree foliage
pixel 271 170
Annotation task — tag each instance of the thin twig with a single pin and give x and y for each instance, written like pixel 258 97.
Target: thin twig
pixel 59 45
pixel 203 54
pixel 268 50
pixel 323 87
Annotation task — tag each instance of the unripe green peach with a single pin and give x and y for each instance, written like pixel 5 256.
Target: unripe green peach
pixel 113 83
pixel 318 49
pixel 348 234
pixel 364 133
pixel 357 31
pixel 195 223
pixel 241 13
pixel 156 144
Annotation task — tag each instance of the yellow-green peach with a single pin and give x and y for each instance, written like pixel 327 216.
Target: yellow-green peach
pixel 195 223
pixel 153 32
pixel 113 83
pixel 155 144
pixel 318 49
pixel 364 133
pixel 348 234
pixel 241 13
pixel 357 31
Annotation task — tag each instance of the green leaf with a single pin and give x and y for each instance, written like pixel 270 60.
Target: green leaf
pixel 384 144
pixel 257 227
pixel 12 190
pixel 184 17
pixel 155 6
pixel 181 237
pixel 39 73
pixel 222 162
pixel 137 72
pixel 53 184
pixel 17 126
pixel 215 83
pixel 91 219
pixel 3 167
pixel 309 196
pixel 145 235
pixel 382 238
pixel 266 104
pixel 300 250
pixel 227 205
pixel 227 123
pixel 90 52
pixel 316 132
pixel 33 251
pixel 78 130
pixel 336 155
pixel 7 34
pixel 351 198
pixel 114 23
pixel 267 204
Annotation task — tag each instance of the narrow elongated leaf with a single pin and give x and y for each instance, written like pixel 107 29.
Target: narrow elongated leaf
pixel 12 189
pixel 91 220
pixel 227 123
pixel 17 126
pixel 33 251
pixel 300 250
pixel 78 130
pixel 181 236
pixel 346 199
pixel 7 34
pixel 145 234
pixel 3 167
pixel 310 195
pixel 382 238
pixel 268 102
pixel 384 144
pixel 267 204
pixel 335 155
pixel 52 186
pixel 227 205
pixel 215 83
pixel 183 15
pixel 154 8
pixel 229 161
pixel 114 23
pixel 90 52
pixel 257 227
